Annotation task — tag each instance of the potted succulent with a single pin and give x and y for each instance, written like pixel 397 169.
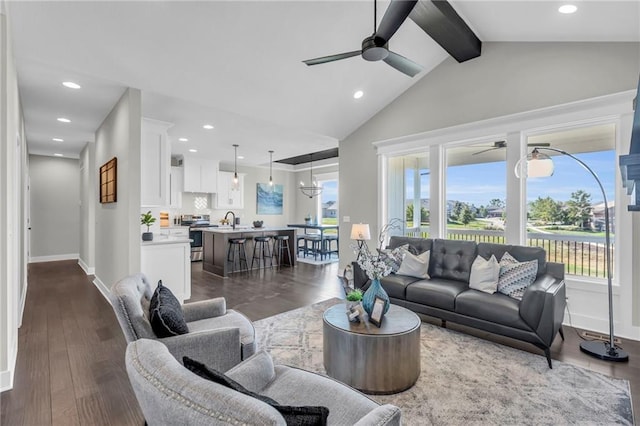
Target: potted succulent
pixel 147 219
pixel 354 297
pixel 307 219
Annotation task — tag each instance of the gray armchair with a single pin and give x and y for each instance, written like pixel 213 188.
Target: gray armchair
pixel 169 394
pixel 218 336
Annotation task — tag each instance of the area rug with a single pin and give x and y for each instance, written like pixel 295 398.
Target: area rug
pixel 312 261
pixel 467 380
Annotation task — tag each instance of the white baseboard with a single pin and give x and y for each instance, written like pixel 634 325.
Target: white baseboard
pixel 6 376
pixel 597 325
pixel 104 290
pixel 23 301
pixel 89 270
pixel 54 258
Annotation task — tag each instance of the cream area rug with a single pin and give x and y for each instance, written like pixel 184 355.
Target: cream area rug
pixel 465 380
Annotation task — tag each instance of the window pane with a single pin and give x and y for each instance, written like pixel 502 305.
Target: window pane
pixel 329 204
pixel 566 210
pixel 476 192
pixel 408 194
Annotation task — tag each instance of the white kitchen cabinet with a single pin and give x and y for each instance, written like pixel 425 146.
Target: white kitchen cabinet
pixel 227 197
pixel 155 160
pixel 171 263
pixel 200 174
pixel 176 186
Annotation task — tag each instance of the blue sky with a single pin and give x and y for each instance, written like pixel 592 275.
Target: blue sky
pixel 479 183
pixel 329 191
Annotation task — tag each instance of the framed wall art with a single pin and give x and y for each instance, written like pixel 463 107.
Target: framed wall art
pixel 269 198
pixel 109 181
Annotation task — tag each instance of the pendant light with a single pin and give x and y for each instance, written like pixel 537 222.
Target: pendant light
pixel 313 189
pixel 271 168
pixel 235 166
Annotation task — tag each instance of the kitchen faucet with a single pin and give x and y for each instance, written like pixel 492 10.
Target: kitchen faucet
pixel 233 223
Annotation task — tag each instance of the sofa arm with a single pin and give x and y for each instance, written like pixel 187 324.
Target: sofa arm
pixel 218 349
pixel 360 278
pixel 383 415
pixel 542 307
pixel 204 309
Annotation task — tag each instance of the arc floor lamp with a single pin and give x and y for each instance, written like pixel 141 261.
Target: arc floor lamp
pixel 541 165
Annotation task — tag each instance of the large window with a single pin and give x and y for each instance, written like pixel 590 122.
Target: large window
pixel 476 192
pixel 565 212
pixel 329 202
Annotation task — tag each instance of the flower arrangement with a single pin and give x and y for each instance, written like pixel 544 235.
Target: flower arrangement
pixel 374 266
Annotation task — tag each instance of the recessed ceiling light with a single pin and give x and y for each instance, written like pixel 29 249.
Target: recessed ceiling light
pixel 207 126
pixel 193 150
pixel 58 140
pixel 240 157
pixel 567 8
pixel 64 120
pixel 358 94
pixel 71 85
pixel 183 139
pixel 58 155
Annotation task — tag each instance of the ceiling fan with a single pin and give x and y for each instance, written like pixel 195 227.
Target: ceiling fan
pixel 376 46
pixel 503 144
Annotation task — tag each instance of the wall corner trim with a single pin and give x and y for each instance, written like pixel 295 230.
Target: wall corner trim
pixel 89 270
pixel 104 290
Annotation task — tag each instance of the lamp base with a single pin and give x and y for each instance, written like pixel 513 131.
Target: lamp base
pixel 604 351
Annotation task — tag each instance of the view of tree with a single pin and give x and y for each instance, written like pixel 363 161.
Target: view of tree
pixel 482 211
pixel 546 210
pixel 579 209
pixel 497 203
pixel 466 216
pixel 424 214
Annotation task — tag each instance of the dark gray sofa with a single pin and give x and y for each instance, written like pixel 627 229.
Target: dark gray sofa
pixel 536 319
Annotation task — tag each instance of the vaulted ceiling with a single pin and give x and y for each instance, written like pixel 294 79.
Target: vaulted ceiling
pixel 238 65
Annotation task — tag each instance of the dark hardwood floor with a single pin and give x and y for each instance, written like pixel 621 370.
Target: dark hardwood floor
pixel 70 368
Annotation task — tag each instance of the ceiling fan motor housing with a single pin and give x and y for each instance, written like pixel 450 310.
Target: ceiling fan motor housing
pixel 374 49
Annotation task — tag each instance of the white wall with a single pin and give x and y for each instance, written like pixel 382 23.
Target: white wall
pixel 88 195
pixel 55 210
pixel 117 235
pixel 13 178
pixel 304 204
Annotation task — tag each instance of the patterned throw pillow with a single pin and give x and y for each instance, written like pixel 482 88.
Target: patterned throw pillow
pixel 393 258
pixel 516 276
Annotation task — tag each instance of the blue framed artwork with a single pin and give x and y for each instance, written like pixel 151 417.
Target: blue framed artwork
pixel 269 198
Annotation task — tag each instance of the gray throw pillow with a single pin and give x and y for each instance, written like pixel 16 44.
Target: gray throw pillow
pixel 165 313
pixel 415 266
pixel 516 276
pixel 485 274
pixel 393 257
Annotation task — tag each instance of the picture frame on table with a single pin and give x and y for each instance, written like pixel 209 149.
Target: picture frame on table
pixel 377 313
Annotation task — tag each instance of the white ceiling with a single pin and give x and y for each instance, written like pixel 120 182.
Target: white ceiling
pixel 237 65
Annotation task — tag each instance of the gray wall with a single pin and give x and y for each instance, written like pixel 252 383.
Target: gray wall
pixel 507 78
pixel 88 195
pixel 55 209
pixel 117 238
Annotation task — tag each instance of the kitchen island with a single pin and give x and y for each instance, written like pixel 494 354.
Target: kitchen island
pixel 215 246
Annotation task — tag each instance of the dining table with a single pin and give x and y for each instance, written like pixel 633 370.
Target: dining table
pixel 318 227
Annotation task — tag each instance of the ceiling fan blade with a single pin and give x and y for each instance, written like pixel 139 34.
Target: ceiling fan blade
pixel 487 150
pixel 396 14
pixel 539 144
pixel 331 58
pixel 403 64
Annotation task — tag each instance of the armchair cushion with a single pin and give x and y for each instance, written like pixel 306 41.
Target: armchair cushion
pixel 303 416
pixel 210 308
pixel 165 313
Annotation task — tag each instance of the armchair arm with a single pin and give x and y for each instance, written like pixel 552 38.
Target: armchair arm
pixel 219 348
pixel 254 373
pixel 204 309
pixel 383 415
pixel 542 307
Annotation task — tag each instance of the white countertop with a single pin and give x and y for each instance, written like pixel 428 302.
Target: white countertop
pixel 241 229
pixel 162 239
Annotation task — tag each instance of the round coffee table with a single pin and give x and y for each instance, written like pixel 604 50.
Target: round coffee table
pixel 374 360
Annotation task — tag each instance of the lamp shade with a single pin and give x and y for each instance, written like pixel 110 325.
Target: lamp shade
pixel 537 165
pixel 360 231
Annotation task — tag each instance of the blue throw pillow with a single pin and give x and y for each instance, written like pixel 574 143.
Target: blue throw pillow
pixel 165 313
pixel 296 416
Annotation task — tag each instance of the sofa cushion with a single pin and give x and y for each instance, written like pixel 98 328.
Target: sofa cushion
pixel 396 285
pixel 436 292
pixel 420 245
pixel 452 259
pixel 516 276
pixel 485 274
pixel 165 313
pixel 303 416
pixel 520 253
pixel 415 266
pixel 496 308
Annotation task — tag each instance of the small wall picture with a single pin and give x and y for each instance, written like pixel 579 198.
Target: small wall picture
pixel 378 311
pixel 108 181
pixel 269 198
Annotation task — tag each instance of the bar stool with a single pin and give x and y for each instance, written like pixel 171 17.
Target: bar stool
pixel 237 245
pixel 301 248
pixel 280 247
pixel 262 251
pixel 315 241
pixel 328 239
